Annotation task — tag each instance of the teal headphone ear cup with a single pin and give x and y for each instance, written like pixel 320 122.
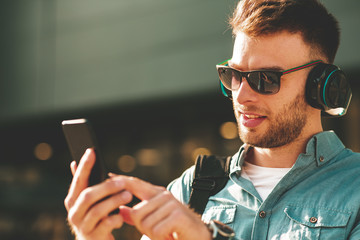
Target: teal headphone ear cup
pixel 327 89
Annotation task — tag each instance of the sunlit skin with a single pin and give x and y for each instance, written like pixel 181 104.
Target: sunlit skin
pixel 262 118
pixel 159 215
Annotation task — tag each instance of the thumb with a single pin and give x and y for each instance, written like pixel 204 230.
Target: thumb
pixel 73 167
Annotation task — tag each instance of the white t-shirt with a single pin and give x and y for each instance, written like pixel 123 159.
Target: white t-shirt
pixel 264 179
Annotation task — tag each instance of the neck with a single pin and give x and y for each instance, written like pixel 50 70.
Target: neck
pixel 279 157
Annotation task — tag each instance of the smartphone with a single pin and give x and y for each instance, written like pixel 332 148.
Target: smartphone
pixel 80 136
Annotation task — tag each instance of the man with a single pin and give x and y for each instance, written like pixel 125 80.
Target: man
pixel 290 179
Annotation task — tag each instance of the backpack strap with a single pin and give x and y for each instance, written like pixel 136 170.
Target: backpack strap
pixel 210 176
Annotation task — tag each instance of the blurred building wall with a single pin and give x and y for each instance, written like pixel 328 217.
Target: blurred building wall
pixel 66 55
pixel 75 54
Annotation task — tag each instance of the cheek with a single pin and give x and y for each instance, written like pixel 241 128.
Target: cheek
pixel 294 82
pixel 290 89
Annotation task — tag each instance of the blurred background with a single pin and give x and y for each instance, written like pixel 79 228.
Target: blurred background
pixel 143 72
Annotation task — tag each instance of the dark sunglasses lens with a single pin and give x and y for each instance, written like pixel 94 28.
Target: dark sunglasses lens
pixel 264 82
pixel 229 78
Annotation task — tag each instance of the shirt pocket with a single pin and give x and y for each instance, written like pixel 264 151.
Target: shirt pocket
pixel 317 222
pixel 222 213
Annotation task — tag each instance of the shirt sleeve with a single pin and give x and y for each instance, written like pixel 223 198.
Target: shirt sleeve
pixel 181 187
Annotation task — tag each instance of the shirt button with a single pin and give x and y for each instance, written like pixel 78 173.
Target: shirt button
pixel 321 158
pixel 313 220
pixel 262 214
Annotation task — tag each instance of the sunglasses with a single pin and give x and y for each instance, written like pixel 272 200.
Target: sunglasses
pixel 261 81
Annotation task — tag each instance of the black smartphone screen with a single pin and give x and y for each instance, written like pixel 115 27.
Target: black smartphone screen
pixel 80 136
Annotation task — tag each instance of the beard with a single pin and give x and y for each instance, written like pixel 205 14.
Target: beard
pixel 283 128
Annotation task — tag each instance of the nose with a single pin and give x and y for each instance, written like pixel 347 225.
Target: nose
pixel 245 93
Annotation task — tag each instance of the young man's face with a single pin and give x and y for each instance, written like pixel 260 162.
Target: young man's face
pixel 269 121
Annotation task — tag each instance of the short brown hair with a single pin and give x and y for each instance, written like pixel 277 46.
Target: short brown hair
pixel 308 17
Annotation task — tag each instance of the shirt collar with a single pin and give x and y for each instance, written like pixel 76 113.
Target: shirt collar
pixel 322 146
pixel 238 159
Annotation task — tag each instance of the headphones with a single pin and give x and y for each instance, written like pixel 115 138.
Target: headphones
pixel 326 89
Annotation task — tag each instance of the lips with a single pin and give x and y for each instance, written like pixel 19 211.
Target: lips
pixel 251 120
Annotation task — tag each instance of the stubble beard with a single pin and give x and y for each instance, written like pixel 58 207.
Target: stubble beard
pixel 283 128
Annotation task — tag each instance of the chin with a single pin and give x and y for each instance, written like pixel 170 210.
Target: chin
pixel 250 137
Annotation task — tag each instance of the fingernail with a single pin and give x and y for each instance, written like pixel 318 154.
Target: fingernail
pixel 110 174
pixel 88 151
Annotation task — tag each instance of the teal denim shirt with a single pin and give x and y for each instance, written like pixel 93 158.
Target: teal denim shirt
pixel 319 198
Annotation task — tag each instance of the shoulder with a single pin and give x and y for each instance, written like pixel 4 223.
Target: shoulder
pixel 348 157
pixel 181 187
pixel 345 164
